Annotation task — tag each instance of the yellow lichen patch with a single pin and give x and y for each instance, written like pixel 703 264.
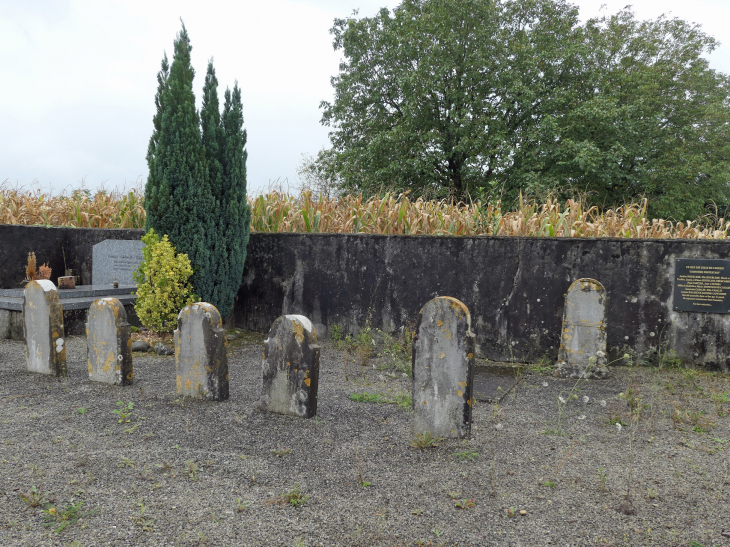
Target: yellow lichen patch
pixel 90 367
pixel 298 329
pixel 307 381
pixel 460 393
pixel 470 356
pixel 130 376
pixel 179 384
pixel 469 402
pixel 442 355
pixel 109 363
pixel 188 384
pixel 439 323
pixel 425 402
pixel 463 384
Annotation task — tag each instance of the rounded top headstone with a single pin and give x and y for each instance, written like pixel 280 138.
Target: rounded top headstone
pixel 457 307
pixel 113 305
pixel 209 312
pixel 586 284
pixel 45 284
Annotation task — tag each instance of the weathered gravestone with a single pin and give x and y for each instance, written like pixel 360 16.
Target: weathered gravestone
pixel 443 369
pixel 291 368
pixel 582 352
pixel 109 343
pixel 43 325
pixel 200 353
pixel 115 260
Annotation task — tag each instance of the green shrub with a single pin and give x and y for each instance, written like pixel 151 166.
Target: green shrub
pixel 163 286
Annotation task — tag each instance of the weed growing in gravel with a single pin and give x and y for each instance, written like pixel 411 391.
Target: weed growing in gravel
pixel 142 520
pixel 63 518
pixel 81 410
pixel 468 455
pixel 602 480
pixel 360 471
pixel 124 411
pixel 424 440
pixel 294 497
pixel 549 483
pixel 126 462
pixel 400 350
pixel 464 504
pixel 35 497
pixel 401 399
pixel 543 366
pixel 719 399
pixel 242 505
pixel 564 399
pixel 281 452
pixel 191 469
pixel 697 419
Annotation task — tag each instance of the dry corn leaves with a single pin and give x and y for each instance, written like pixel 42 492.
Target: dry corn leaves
pixel 389 214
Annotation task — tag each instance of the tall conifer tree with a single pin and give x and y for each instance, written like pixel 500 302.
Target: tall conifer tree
pixel 196 189
pixel 236 222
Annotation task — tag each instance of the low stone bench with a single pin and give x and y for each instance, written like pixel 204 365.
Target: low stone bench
pixel 76 303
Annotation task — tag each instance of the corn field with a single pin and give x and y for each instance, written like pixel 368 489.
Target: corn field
pixel 389 214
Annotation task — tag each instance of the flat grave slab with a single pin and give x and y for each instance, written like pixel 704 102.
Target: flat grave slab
pixel 493 382
pixel 79 298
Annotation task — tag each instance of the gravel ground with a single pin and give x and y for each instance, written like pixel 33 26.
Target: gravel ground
pixel 189 473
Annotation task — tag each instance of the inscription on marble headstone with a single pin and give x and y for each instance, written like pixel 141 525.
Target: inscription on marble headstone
pixel 115 260
pixel 702 285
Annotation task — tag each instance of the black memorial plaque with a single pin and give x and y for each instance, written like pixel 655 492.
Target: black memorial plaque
pixel 702 285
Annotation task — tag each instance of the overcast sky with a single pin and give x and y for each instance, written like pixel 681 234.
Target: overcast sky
pixel 78 78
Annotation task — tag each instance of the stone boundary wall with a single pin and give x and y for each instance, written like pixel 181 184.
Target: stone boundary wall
pixel 513 286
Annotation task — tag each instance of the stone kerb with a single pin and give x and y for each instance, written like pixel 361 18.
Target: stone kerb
pixel 443 370
pixel 43 327
pixel 201 355
pixel 582 352
pixel 291 368
pixel 109 343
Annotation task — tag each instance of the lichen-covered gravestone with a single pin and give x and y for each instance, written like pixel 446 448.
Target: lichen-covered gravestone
pixel 291 368
pixel 582 351
pixel 200 353
pixel 109 343
pixel 443 370
pixel 43 324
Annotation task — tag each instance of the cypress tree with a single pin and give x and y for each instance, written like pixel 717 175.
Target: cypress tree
pixel 235 223
pixel 196 189
pixel 180 198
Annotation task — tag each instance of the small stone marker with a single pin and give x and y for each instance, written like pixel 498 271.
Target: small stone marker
pixel 109 343
pixel 67 282
pixel 582 352
pixel 443 369
pixel 291 368
pixel 115 260
pixel 43 324
pixel 200 353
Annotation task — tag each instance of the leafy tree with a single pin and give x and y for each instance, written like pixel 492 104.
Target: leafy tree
pixel 463 97
pixel 188 193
